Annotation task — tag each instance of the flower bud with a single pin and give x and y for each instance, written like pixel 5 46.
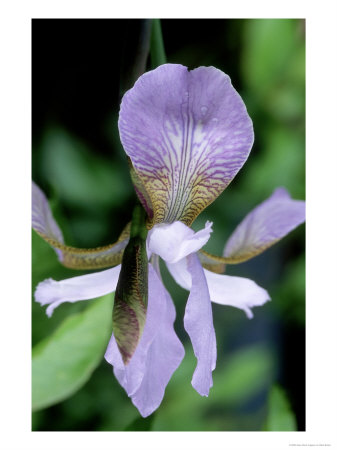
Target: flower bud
pixel 129 312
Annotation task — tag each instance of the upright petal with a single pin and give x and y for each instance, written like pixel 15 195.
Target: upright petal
pixel 198 322
pixel 45 225
pixel 157 356
pixel 265 225
pixel 187 135
pixel 85 287
pixel 173 242
pixel 239 292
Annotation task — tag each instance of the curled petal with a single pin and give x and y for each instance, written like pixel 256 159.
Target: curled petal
pixel 85 287
pixel 198 322
pixel 239 292
pixel 173 242
pixel 187 135
pixel 75 258
pixel 157 356
pixel 265 225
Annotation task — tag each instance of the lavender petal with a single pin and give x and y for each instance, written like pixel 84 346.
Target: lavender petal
pixel 198 322
pixel 157 356
pixel 265 225
pixel 85 287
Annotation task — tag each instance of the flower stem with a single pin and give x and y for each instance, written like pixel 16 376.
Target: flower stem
pixel 157 49
pixel 138 227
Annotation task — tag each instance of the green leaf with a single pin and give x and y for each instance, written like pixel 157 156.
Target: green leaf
pixel 64 361
pixel 280 416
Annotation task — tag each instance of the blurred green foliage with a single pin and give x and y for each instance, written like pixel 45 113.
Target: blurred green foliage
pixel 92 196
pixel 279 417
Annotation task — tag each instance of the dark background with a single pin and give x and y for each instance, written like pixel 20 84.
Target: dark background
pixel 80 69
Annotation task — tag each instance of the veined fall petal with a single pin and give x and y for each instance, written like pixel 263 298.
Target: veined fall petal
pixel 187 135
pixel 265 225
pixel 45 225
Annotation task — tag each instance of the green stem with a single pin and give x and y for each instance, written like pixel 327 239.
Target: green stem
pixel 157 49
pixel 138 227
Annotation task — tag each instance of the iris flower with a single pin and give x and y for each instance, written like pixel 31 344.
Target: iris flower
pixel 186 134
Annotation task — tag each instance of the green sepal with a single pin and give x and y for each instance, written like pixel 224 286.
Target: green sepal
pixel 129 312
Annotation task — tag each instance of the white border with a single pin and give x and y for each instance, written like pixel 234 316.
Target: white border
pixel 321 224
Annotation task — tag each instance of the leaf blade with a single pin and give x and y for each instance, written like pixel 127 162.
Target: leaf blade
pixel 64 361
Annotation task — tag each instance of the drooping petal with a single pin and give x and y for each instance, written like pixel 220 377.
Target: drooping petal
pixel 164 357
pixel 187 135
pixel 157 356
pixel 75 258
pixel 198 322
pixel 85 287
pixel 239 292
pixel 265 225
pixel 173 242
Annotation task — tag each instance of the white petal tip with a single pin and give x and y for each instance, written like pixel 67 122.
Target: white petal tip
pixel 249 313
pixel 50 310
pixel 42 291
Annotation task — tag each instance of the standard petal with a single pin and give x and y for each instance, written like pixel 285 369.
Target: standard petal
pixel 157 356
pixel 239 292
pixel 187 135
pixel 173 242
pixel 198 322
pixel 75 258
pixel 85 287
pixel 265 225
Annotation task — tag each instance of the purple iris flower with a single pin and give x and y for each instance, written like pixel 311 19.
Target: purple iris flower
pixel 187 134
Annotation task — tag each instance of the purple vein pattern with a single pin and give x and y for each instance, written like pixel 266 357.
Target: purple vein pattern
pixel 187 135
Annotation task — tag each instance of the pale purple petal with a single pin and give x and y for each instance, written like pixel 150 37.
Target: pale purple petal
pixel 198 322
pixel 173 242
pixel 85 287
pixel 239 292
pixel 187 135
pixel 265 225
pixel 43 221
pixel 157 356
